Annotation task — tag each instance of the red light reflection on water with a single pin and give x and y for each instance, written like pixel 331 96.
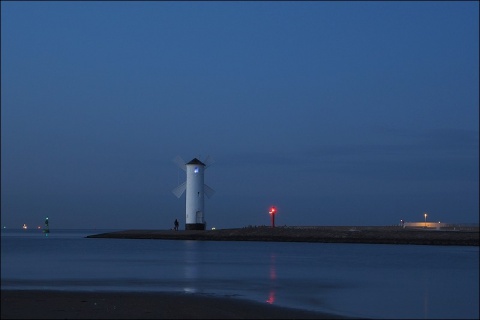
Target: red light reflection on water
pixel 273 277
pixel 271 297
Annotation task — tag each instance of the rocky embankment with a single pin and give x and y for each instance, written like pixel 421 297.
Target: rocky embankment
pixel 343 234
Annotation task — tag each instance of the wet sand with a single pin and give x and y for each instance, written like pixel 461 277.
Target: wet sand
pixel 35 304
pixel 353 234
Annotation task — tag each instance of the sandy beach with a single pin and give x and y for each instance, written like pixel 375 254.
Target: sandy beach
pixel 35 304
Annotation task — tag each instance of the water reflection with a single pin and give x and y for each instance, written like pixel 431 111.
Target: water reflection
pixel 425 295
pixel 273 278
pixel 190 266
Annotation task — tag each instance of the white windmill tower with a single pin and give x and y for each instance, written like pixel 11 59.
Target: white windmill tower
pixel 196 189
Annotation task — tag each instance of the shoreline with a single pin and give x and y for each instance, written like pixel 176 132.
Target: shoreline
pixel 353 234
pixel 58 304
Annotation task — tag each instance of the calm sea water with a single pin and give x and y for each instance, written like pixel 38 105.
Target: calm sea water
pixel 362 280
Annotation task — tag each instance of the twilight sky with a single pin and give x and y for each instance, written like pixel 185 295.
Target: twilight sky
pixel 338 113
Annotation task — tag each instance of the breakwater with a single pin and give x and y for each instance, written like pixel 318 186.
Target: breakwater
pixel 333 234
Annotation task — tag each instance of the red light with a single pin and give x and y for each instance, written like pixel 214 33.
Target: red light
pixel 273 210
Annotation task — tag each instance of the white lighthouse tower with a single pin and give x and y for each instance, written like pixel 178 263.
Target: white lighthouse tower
pixel 196 189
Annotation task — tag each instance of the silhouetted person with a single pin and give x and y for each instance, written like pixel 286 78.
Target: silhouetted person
pixel 176 224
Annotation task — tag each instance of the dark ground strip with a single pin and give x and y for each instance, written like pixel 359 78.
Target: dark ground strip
pixel 371 235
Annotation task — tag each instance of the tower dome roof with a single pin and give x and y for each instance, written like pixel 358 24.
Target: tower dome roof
pixel 196 161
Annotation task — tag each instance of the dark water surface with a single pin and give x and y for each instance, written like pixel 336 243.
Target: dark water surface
pixel 361 280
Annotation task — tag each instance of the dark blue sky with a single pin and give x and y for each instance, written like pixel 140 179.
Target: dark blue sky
pixel 338 113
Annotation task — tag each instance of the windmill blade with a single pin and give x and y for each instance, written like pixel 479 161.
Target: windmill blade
pixel 208 161
pixel 180 163
pixel 208 191
pixel 178 191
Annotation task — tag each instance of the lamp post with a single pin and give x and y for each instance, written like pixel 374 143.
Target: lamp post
pixel 272 212
pixel 46 229
pixel 425 215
